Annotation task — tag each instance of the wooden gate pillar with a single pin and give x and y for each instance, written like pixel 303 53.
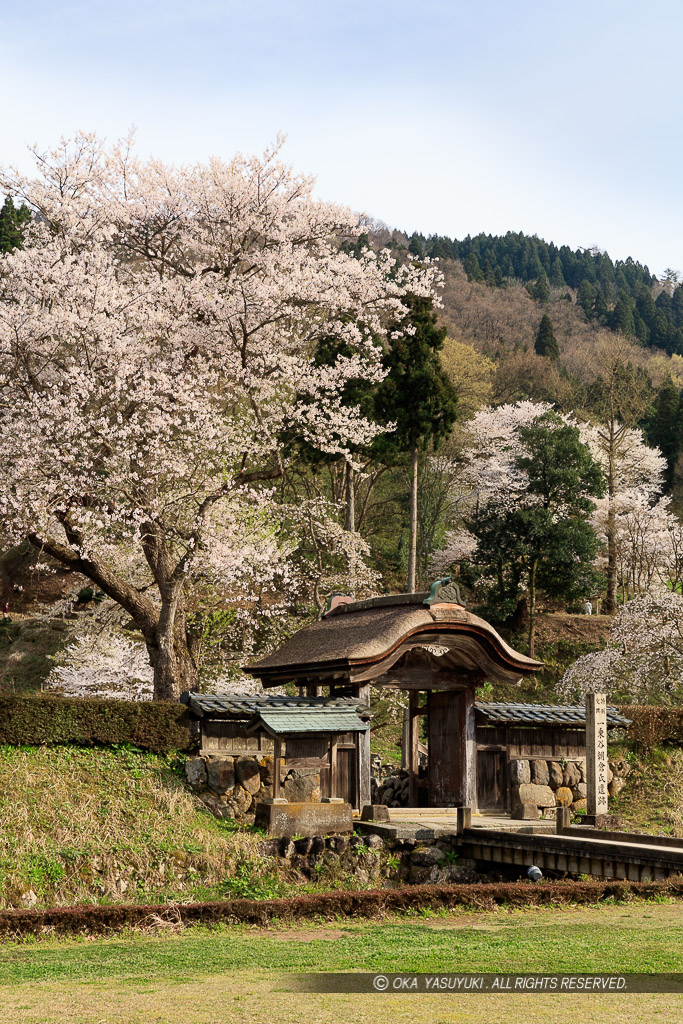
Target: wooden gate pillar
pixel 452 748
pixel 412 755
pixel 364 768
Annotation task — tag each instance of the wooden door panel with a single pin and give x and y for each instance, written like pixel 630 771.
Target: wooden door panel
pixel 491 780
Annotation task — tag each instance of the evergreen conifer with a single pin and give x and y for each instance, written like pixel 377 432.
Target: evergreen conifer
pixel 546 342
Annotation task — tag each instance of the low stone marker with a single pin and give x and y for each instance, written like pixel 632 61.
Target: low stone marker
pixel 282 818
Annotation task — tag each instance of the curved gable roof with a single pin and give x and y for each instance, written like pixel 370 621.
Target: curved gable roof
pixel 367 637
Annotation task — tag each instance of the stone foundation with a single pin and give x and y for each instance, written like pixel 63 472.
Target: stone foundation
pixel 371 859
pixel 230 787
pixel 537 785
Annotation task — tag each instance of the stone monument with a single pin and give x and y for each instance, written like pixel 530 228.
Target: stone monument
pixel 596 756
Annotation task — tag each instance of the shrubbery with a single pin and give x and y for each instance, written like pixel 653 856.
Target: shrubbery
pixel 652 724
pixel 32 720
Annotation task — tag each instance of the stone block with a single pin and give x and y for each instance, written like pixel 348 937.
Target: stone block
pixel 580 792
pixel 241 800
pixel 564 796
pixel 287 850
pixel 616 785
pixel 375 812
pixel 269 848
pixel 218 808
pixel 374 842
pixel 302 788
pixel 195 772
pixel 579 805
pixel 248 774
pixel 265 765
pixel 571 775
pixel 220 773
pixel 304 819
pixel 525 812
pixel 531 793
pixel 520 772
pixel 317 846
pixel 539 773
pixel 426 856
pixel 555 775
pixel 621 767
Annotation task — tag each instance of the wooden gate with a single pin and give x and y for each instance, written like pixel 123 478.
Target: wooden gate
pixel 491 780
pixel 347 776
pixel 447 731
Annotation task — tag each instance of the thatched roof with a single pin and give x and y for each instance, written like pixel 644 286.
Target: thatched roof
pixel 364 639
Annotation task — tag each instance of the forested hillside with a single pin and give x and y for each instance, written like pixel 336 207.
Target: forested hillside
pixel 499 290
pixel 623 296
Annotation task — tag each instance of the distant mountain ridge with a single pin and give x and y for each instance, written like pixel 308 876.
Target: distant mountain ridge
pixel 622 295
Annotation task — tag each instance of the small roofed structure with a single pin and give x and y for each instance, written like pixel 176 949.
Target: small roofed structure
pixel 531 742
pixel 425 642
pixel 303 734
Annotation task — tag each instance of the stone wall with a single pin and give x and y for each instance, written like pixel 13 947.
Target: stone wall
pixel 371 859
pixel 231 786
pixel 392 791
pixel 538 786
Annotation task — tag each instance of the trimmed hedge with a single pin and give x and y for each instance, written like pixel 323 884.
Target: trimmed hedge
pixel 652 724
pixel 32 720
pixel 485 896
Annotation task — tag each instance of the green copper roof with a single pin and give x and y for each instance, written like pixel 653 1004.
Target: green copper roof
pixel 292 721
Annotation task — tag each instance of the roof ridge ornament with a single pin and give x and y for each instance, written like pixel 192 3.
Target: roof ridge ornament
pixel 445 591
pixel 334 600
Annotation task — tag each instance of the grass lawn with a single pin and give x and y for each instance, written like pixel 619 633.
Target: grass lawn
pixel 240 974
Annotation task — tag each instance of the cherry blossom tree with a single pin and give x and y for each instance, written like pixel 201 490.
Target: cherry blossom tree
pixel 484 469
pixel 642 538
pixel 540 538
pixel 156 341
pixel 493 446
pixel 643 658
pixel 633 519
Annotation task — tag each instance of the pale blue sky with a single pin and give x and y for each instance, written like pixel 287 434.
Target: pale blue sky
pixel 438 115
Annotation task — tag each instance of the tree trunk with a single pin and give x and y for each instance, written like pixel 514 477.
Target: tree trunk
pixel 412 554
pixel 165 633
pixel 350 499
pixel 610 605
pixel 532 605
pixel 175 668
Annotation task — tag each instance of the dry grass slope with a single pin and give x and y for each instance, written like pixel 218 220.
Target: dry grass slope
pixel 102 825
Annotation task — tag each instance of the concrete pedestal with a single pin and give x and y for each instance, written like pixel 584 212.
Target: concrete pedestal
pixel 304 819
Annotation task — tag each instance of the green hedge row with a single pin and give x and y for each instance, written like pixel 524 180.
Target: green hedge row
pixel 652 724
pixel 159 726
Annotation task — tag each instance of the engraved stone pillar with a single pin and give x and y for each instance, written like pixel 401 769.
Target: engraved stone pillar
pixel 596 755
